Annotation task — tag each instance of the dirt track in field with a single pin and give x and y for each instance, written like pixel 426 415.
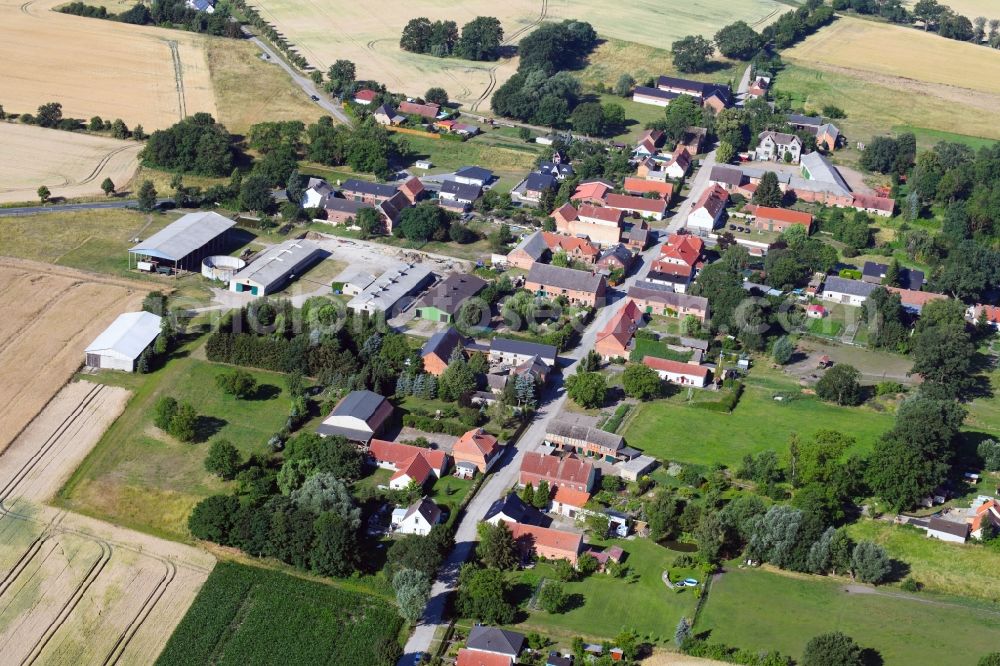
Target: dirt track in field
pixel 50 314
pixel 74 590
pixel 70 165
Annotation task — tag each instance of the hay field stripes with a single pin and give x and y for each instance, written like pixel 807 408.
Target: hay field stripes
pixel 125 576
pixel 145 75
pixel 50 315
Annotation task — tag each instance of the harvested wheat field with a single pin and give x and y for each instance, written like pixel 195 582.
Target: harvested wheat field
pixel 75 590
pixel 69 164
pixel 143 75
pixel 368 33
pixel 50 315
pixel 879 50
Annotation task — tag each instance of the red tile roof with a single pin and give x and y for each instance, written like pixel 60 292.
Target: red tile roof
pixel 878 203
pixel 780 214
pixel 418 470
pixel 635 185
pixel 554 540
pixel 571 496
pixel 477 442
pixel 569 469
pixel 566 212
pixel 683 247
pixel 713 200
pixel 915 298
pixel 591 190
pixel 600 213
pixel 623 325
pixel 992 313
pixel 426 110
pixel 628 202
pixel 365 95
pixel 676 367
pixel 569 244
pixel 401 454
pixel 467 657
pixel 413 186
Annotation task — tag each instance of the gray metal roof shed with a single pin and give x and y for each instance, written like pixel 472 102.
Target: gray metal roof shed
pixel 276 264
pixel 186 236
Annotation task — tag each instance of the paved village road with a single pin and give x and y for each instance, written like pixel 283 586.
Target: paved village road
pixel 505 476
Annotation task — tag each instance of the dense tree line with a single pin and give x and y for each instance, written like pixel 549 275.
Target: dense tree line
pixel 297 508
pixel 794 26
pixel 340 348
pixel 366 147
pixel 166 14
pixel 480 38
pixel 197 145
pixel 541 92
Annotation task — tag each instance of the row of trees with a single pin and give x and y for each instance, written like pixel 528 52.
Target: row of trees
pixel 933 16
pixel 481 38
pixel 167 14
pixel 739 41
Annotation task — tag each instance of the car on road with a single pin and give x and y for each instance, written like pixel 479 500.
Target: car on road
pixel 314 98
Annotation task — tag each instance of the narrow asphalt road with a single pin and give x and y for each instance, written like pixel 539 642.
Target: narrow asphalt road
pixel 301 80
pixel 94 205
pixel 741 92
pixel 505 476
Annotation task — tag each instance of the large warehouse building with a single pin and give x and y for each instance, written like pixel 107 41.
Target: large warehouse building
pixel 182 244
pixel 276 266
pixel 121 343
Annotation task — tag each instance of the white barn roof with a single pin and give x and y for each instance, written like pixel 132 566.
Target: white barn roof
pixel 188 234
pixel 128 335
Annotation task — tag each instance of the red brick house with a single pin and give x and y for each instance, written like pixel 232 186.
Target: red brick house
pixel 437 351
pixel 413 190
pixel 546 542
pixel 778 219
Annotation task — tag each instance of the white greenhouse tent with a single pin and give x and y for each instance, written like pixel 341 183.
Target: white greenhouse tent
pixel 121 343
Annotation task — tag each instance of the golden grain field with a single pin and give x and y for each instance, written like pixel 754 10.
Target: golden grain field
pixel 143 75
pixel 70 164
pixel 368 33
pixel 884 50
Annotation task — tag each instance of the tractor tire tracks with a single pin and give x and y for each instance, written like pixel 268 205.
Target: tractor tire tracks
pixel 175 56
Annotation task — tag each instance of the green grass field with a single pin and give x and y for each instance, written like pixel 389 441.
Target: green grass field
pixel 96 240
pixel 140 477
pixel 874 109
pixel 928 138
pixel 507 156
pixel 612 604
pixel 827 327
pixel 967 570
pixel 760 610
pixel 247 615
pixel 672 430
